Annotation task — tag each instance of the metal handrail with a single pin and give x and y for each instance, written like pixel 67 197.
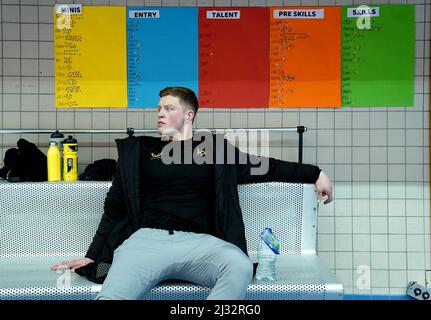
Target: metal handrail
pixel 96 131
pixel 131 131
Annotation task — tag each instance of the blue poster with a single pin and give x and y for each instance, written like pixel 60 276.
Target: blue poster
pixel 162 51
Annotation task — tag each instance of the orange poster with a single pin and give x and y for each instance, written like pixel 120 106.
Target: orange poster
pixel 305 57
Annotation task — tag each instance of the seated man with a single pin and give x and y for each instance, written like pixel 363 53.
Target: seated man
pixel 180 220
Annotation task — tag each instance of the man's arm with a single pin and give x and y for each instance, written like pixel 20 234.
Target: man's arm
pixel 114 208
pixel 324 188
pixel 113 212
pixel 283 171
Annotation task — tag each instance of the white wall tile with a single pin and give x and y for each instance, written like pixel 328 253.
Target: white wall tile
pixel 414 172
pixel 397 190
pixel 82 120
pixel 29 14
pixel 396 120
pixel 415 225
pixel 414 155
pixel 342 155
pixel 46 67
pixel 46 32
pixel 361 120
pixel 415 243
pixel 361 155
pixel 361 138
pixel 29 85
pixel 45 14
pixel 361 242
pixel 47 120
pixel 379 260
pixel 379 225
pixel 11 102
pixel 397 260
pixel 378 172
pixel 414 137
pixel 346 277
pixel 379 278
pixel 360 207
pixel 325 138
pixel 396 173
pixel 397 243
pixel 29 102
pixel 379 243
pixel 11 120
pixel 416 275
pixel 46 85
pixel 414 190
pixel 343 173
pixel 325 120
pixel 29 120
pixel 11 31
pixel 66 120
pixel 416 260
pixel 342 190
pixel 10 13
pixel 11 85
pixel 326 224
pixel 414 208
pixel 397 225
pixel 29 49
pixel 379 120
pixel 396 154
pixel 29 31
pixel 343 207
pixel 361 172
pixel 11 67
pixel 46 102
pixel 343 260
pixel 343 224
pixel 29 67
pixel 398 279
pixel 117 120
pixel 361 225
pixel 343 242
pixel 326 242
pixel 396 137
pixel 11 49
pixel 379 137
pixel 379 190
pixel 343 137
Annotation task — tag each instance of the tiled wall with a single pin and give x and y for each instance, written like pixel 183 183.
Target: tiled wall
pixel 376 157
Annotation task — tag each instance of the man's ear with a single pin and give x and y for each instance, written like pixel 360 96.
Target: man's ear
pixel 189 115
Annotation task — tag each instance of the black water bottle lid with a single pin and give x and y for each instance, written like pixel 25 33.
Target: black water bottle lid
pixel 57 134
pixel 70 139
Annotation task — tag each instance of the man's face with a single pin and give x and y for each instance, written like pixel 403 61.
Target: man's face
pixel 170 118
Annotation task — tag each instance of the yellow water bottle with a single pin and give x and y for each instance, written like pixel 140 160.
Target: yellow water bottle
pixel 53 161
pixel 70 159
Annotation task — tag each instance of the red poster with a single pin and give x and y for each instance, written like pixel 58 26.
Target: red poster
pixel 234 57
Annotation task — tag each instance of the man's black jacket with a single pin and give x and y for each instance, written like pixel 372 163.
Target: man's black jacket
pixel 121 209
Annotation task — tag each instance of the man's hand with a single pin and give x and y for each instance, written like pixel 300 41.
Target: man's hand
pixel 324 188
pixel 72 264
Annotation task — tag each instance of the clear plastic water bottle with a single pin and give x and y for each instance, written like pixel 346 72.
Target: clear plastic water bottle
pixel 269 248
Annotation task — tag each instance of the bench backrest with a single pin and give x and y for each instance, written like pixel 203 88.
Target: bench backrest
pixel 60 219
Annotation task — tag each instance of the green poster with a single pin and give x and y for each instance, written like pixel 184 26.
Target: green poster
pixel 378 44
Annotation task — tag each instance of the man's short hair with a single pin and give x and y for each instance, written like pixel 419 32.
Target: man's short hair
pixel 186 96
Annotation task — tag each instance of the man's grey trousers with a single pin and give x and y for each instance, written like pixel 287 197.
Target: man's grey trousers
pixel 153 255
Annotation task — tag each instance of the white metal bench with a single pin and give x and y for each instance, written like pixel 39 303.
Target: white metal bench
pixel 45 223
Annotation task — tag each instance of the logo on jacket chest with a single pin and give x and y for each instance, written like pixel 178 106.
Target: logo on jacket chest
pixel 158 156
